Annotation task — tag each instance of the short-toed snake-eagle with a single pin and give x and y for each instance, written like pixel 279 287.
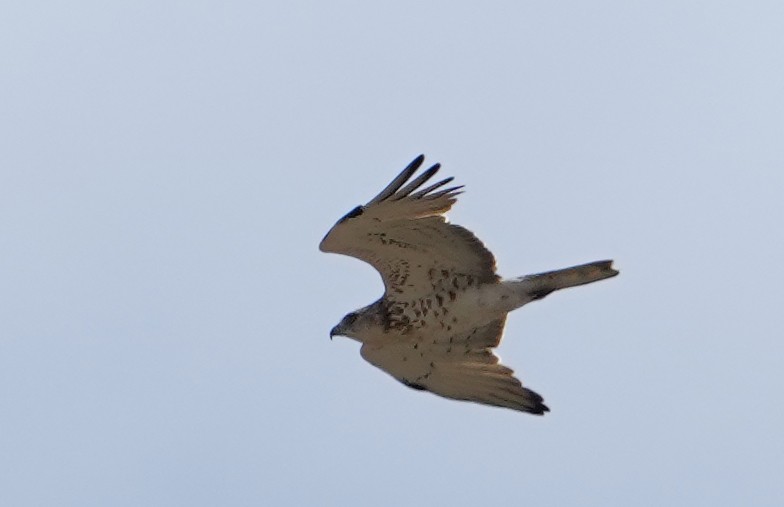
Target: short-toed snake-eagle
pixel 444 307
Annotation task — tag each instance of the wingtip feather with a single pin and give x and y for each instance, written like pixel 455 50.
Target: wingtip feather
pixel 399 180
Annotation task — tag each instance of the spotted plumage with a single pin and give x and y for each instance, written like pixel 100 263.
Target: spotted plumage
pixel 444 307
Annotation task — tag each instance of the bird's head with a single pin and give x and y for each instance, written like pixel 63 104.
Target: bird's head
pixel 351 325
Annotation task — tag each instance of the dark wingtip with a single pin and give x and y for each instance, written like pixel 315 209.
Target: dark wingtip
pixel 430 171
pixel 417 182
pixel 538 407
pixel 398 182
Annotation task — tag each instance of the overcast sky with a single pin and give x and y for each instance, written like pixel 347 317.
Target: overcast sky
pixel 167 170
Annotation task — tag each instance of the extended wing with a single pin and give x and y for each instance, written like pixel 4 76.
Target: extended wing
pixel 464 369
pixel 402 232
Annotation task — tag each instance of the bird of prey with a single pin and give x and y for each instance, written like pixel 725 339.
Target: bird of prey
pixel 444 307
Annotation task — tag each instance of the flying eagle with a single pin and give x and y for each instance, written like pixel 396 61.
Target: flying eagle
pixel 444 307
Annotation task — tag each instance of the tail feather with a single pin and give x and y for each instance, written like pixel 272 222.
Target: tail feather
pixel 542 284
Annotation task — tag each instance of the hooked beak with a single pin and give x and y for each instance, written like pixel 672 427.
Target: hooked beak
pixel 335 331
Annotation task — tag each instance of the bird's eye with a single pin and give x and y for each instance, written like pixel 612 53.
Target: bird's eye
pixel 350 318
pixel 352 214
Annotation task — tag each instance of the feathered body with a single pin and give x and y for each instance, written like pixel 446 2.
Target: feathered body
pixel 444 307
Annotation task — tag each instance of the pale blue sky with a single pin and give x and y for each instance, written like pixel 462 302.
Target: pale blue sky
pixel 167 170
